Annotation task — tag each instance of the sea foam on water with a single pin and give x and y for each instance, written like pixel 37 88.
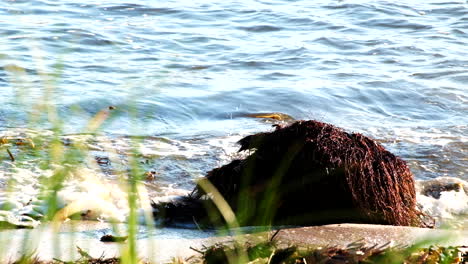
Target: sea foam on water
pixel 446 199
pixel 91 193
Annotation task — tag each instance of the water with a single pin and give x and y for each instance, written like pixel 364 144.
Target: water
pixel 183 74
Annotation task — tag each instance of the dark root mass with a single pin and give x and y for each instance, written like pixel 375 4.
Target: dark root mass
pixel 310 173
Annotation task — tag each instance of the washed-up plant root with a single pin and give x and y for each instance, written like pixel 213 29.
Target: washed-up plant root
pixel 306 173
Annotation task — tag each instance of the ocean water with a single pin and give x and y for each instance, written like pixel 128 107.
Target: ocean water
pixel 183 76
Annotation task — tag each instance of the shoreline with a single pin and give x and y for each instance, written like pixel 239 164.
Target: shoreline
pixel 164 244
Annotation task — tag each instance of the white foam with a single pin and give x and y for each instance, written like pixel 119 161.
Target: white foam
pixel 96 191
pixel 444 198
pixel 99 196
pixel 87 193
pixel 174 148
pixel 434 137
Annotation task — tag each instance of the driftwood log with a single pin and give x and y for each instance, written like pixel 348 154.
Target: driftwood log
pixel 306 173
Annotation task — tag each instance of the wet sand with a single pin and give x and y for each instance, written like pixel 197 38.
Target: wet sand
pixel 163 244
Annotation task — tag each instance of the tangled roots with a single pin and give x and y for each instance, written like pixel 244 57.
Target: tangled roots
pixel 315 173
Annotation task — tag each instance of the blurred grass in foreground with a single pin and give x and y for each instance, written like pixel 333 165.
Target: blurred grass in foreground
pixel 63 158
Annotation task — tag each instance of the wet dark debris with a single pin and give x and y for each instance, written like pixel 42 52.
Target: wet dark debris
pixel 435 190
pixel 306 173
pixel 112 238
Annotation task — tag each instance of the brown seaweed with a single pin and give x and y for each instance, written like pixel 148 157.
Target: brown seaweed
pixel 307 173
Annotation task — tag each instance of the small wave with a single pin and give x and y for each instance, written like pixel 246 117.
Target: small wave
pixel 277 76
pixel 254 64
pixel 123 7
pixel 78 36
pixel 11 32
pixel 261 28
pixel 138 10
pixel 435 75
pixel 305 21
pixel 187 67
pixel 394 23
pixel 354 7
pixel 17 68
pixel 97 68
pixel 462 79
pixel 459 32
pixel 338 43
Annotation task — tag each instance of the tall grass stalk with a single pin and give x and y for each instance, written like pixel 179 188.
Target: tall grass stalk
pixel 229 217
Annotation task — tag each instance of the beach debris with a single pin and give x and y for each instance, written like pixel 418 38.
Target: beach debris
pixel 274 116
pixel 112 238
pixel 87 215
pixel 436 190
pixel 12 158
pixel 88 259
pixel 18 141
pixel 435 187
pixel 11 144
pixel 103 160
pixel 25 141
pixel 150 175
pixel 306 173
pixel 66 141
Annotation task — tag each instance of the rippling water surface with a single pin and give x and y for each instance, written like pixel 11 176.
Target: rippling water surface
pixel 185 73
